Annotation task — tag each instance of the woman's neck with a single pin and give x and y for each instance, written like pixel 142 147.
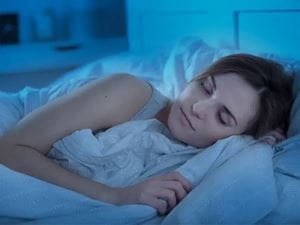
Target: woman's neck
pixel 163 114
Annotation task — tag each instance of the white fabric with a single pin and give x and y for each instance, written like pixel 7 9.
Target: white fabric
pixel 11 111
pixel 55 202
pixel 169 70
pixel 192 55
pixel 117 157
pixel 215 155
pixel 24 197
pixel 18 189
pixel 241 190
pixel 187 59
pixel 120 158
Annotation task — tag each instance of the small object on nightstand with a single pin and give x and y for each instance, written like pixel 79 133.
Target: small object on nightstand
pixel 68 47
pixel 9 29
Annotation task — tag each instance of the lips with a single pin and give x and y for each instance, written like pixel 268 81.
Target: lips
pixel 187 119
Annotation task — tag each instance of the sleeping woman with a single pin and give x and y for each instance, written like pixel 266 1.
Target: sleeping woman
pixel 238 94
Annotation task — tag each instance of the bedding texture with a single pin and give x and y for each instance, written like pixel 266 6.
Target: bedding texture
pixel 287 154
pixel 287 167
pixel 235 181
pixel 52 201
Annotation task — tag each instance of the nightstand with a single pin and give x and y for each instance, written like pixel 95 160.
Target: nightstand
pixel 37 64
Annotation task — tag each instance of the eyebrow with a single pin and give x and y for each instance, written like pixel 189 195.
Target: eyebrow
pixel 225 108
pixel 214 82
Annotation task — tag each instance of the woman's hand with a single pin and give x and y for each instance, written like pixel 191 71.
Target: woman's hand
pixel 274 137
pixel 161 192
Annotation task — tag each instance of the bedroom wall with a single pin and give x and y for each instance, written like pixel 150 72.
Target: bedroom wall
pixel 263 25
pixel 46 25
pixel 67 18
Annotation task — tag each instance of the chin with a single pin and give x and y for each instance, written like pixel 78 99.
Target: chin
pixel 176 130
pixel 179 133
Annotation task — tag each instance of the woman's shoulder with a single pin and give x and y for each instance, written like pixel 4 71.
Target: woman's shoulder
pixel 153 105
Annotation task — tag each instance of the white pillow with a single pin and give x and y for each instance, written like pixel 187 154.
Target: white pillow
pixel 191 56
pixel 287 169
pixel 188 58
pixel 241 190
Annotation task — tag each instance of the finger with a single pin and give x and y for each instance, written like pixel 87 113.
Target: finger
pixel 277 133
pixel 169 196
pixel 159 204
pixel 274 137
pixel 177 187
pixel 178 177
pixel 269 139
pixel 279 136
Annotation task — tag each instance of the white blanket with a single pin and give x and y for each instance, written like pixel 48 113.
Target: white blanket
pixel 117 157
pixel 23 197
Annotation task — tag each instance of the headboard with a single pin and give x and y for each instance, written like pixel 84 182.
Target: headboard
pixel 257 25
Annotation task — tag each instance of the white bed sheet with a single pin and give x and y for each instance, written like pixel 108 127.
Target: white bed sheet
pixel 169 70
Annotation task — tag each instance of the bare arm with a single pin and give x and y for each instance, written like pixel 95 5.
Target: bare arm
pixel 98 105
pixel 29 161
pixel 101 104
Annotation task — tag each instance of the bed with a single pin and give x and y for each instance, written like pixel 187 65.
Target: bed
pixel 237 182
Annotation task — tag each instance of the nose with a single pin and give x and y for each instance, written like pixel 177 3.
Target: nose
pixel 203 108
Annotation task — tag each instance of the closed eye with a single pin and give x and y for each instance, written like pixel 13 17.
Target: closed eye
pixel 226 118
pixel 221 119
pixel 228 113
pixel 206 87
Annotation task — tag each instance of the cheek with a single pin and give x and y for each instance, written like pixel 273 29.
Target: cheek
pixel 245 121
pixel 210 137
pixel 223 133
pixel 215 132
pixel 175 125
pixel 173 117
pixel 190 93
pixel 202 140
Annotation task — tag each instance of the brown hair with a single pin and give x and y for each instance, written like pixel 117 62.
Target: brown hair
pixel 273 84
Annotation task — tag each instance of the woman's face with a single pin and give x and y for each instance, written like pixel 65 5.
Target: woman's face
pixel 211 109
